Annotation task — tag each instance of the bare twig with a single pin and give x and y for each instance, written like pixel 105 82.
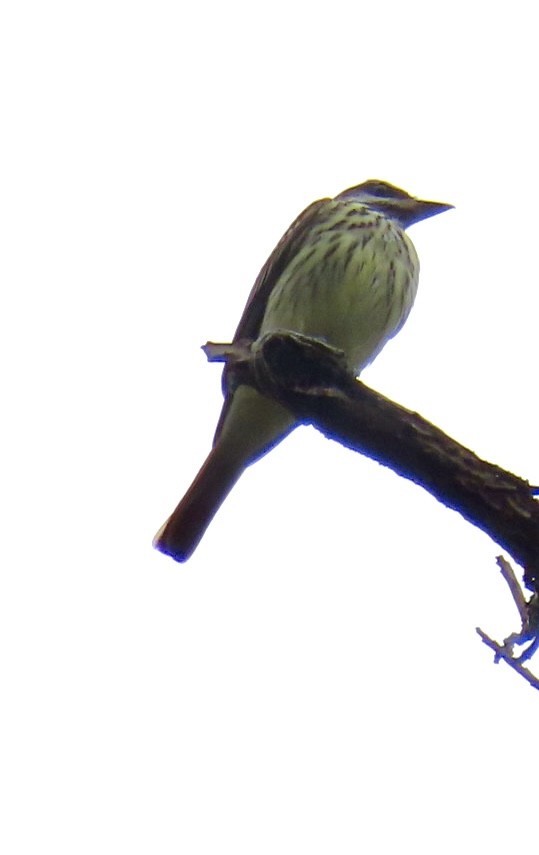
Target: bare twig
pixel 516 591
pixel 515 664
pixel 528 631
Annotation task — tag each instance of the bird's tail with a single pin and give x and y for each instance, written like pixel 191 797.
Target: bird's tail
pixel 253 424
pixel 181 533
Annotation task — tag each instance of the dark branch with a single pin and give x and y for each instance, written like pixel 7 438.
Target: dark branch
pixel 313 381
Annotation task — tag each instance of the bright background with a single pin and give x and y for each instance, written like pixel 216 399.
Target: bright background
pixel 311 681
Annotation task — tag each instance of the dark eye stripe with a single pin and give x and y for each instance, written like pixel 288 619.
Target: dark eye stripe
pixel 380 188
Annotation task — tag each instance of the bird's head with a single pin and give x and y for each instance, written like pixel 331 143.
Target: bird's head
pixel 393 202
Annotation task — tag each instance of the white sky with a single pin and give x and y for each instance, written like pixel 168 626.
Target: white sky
pixel 311 681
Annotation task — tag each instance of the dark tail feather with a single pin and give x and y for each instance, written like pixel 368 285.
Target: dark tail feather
pixel 181 533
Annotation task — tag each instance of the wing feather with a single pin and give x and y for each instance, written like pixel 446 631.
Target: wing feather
pixel 284 252
pixel 253 313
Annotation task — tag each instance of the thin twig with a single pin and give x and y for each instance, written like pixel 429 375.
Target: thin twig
pixel 502 653
pixel 528 630
pixel 516 591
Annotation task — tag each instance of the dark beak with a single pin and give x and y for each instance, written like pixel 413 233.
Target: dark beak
pixel 421 210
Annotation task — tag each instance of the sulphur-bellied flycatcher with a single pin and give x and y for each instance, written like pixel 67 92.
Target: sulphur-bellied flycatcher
pixel 344 272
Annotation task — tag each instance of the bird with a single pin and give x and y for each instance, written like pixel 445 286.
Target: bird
pixel 345 272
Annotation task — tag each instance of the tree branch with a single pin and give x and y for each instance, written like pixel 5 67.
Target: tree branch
pixel 312 380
